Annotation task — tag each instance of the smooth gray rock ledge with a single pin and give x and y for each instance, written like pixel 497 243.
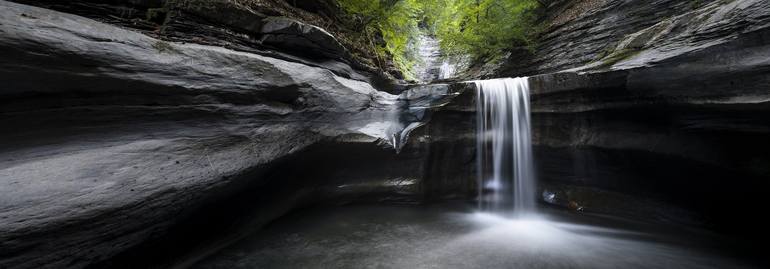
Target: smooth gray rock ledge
pixel 109 136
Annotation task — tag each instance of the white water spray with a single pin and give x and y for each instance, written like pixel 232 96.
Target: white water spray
pixel 504 146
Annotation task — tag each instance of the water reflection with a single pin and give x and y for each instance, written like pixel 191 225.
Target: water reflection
pixel 445 237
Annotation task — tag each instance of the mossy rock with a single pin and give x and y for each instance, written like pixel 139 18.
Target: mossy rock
pixel 163 47
pixel 618 56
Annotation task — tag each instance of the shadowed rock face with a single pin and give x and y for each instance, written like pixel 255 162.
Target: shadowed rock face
pixel 586 32
pixel 111 136
pixel 129 143
pixel 286 33
pixel 675 132
pixel 682 119
pixel 247 26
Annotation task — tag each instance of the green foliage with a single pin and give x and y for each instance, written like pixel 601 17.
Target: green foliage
pixel 484 28
pixel 477 28
pixel 393 20
pixel 617 56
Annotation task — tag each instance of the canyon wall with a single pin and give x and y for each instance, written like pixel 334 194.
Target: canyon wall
pixel 123 130
pixel 135 130
pixel 672 108
pixel 653 110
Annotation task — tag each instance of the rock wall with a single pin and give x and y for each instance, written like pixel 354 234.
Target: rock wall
pixel 578 32
pixel 654 110
pixel 675 110
pixel 123 141
pixel 267 27
pixel 116 139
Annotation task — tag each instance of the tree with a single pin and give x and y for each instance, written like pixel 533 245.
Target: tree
pixel 396 21
pixel 481 29
pixel 485 28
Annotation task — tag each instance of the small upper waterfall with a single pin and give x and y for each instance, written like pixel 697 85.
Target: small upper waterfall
pixel 504 146
pixel 447 70
pixel 433 64
pixel 430 54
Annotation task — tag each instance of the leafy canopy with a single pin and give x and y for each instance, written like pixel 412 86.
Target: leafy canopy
pixel 481 29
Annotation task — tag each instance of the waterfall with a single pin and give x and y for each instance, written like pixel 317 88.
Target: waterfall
pixel 447 70
pixel 504 146
pixel 433 64
pixel 430 54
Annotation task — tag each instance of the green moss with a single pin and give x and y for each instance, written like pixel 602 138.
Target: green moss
pixel 163 47
pixel 617 56
pixel 604 53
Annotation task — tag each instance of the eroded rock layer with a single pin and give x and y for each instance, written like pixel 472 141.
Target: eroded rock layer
pixel 669 125
pixel 127 139
pixel 676 110
pixel 111 136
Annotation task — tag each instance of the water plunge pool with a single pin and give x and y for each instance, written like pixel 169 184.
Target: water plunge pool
pixel 455 235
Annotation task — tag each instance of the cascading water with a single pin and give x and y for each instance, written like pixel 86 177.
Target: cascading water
pixel 504 146
pixel 433 64
pixel 447 70
pixel 447 236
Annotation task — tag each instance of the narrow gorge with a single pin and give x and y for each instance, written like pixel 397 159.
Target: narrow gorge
pixel 307 134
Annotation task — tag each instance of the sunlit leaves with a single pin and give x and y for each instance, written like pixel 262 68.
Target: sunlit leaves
pixel 396 21
pixel 483 28
pixel 477 28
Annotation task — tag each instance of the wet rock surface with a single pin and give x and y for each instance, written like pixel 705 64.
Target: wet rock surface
pixel 122 144
pixel 112 138
pixel 674 122
pixel 677 119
